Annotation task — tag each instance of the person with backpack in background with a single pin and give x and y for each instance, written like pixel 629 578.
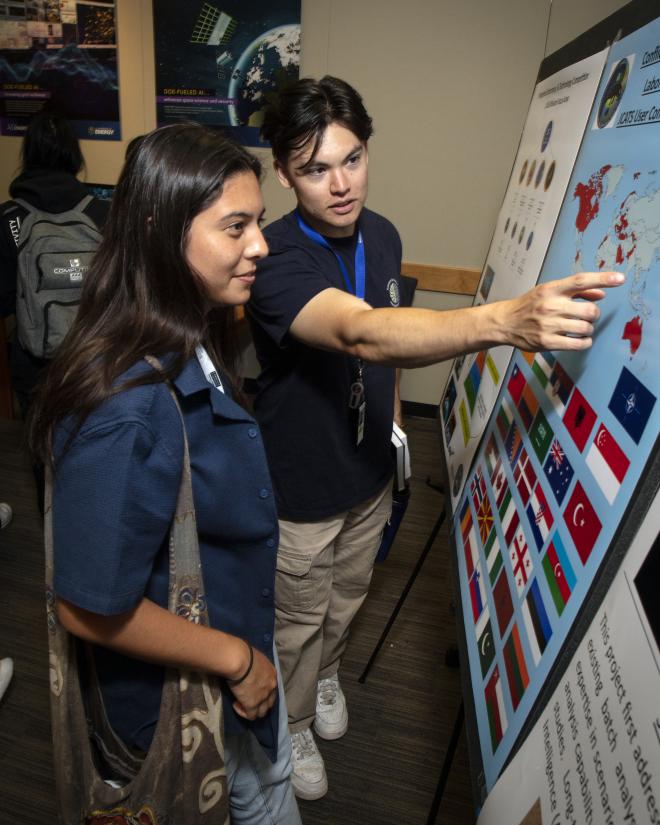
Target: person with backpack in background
pixel 47 234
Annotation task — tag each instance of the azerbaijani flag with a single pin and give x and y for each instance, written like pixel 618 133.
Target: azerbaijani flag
pixel 559 573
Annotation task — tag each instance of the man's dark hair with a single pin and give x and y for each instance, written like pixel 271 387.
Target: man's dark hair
pixel 300 113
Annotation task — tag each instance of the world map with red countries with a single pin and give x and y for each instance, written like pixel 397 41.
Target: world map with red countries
pixel 630 232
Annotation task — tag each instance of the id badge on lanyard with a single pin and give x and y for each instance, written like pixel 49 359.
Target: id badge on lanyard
pixel 357 401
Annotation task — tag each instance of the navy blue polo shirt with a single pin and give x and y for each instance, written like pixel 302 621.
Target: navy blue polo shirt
pixel 302 392
pixel 114 497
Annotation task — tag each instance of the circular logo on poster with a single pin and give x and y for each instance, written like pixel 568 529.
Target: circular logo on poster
pixel 613 93
pixel 393 292
pixel 546 137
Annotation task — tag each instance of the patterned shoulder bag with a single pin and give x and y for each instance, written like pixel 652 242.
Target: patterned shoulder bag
pixel 182 778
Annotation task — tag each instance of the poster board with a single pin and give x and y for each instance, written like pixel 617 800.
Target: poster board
pixel 551 137
pixel 217 63
pixel 567 451
pixel 63 54
pixel 594 754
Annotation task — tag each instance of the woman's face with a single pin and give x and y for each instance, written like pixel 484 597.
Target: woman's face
pixel 225 242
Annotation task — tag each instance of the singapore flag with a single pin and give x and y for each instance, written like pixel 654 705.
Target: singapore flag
pixel 607 462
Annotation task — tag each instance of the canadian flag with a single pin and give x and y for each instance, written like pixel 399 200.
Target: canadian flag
pixel 607 462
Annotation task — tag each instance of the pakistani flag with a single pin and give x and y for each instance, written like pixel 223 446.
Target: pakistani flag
pixel 484 632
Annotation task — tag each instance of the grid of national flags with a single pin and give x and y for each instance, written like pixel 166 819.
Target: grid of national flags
pixel 517 555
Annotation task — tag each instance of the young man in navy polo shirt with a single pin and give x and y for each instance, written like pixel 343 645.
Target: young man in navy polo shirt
pixel 329 332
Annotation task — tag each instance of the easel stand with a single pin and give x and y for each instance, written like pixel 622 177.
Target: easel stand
pixel 451 659
pixel 404 594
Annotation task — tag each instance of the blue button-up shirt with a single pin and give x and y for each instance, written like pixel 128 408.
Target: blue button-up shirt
pixel 115 493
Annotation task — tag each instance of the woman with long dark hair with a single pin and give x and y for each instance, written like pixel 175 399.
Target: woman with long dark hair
pixel 178 255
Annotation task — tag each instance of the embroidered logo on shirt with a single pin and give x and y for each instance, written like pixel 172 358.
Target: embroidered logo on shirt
pixel 393 292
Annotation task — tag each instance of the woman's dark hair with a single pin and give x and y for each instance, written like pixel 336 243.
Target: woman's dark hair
pixel 50 143
pixel 140 296
pixel 301 113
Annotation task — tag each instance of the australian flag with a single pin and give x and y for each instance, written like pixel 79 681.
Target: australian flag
pixel 558 471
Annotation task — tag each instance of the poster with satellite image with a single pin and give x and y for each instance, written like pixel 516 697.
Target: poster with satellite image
pixel 61 53
pixel 571 433
pixel 216 63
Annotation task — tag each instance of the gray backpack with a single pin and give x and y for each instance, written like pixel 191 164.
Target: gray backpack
pixel 54 254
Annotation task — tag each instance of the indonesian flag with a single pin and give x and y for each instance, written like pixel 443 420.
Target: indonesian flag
pixel 607 462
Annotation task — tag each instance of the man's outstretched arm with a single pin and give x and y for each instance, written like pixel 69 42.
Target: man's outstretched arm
pixel 548 317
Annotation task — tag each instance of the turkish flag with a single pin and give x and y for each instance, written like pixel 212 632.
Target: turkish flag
pixel 582 522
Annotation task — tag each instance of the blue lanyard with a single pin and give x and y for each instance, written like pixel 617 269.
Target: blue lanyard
pixel 360 267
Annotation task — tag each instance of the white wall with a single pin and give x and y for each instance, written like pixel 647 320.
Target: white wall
pixel 447 84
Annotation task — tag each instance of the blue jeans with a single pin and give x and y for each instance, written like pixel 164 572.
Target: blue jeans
pixel 260 792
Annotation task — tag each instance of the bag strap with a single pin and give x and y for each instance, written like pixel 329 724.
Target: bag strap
pixel 78 207
pixel 27 206
pixel 184 769
pixel 186 588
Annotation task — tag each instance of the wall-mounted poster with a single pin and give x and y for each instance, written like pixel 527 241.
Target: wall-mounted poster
pixel 572 433
pixel 217 62
pixel 63 54
pixel 549 144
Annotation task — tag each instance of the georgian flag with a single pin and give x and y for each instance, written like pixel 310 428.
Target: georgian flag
pixel 521 564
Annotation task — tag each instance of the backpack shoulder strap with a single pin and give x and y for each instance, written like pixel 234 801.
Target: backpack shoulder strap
pixel 27 206
pixel 83 204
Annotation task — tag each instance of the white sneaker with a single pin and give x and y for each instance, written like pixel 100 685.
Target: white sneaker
pixel 6 671
pixel 331 712
pixel 5 514
pixel 308 775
